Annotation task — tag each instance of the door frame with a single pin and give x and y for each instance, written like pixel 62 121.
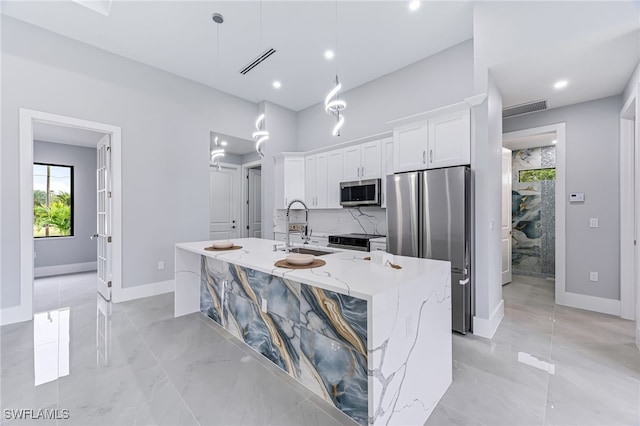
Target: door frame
pixel 629 224
pixel 561 296
pixel 27 119
pixel 509 273
pixel 244 208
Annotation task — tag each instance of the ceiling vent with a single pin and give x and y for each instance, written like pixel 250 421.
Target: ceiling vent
pixel 257 61
pixel 526 108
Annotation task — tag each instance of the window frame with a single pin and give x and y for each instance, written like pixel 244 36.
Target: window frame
pixel 71 204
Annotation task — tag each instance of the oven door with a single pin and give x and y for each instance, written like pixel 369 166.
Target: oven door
pixel 360 193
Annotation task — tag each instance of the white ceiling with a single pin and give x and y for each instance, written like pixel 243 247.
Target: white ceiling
pixel 528 45
pixel 234 145
pixel 66 135
pixel 533 141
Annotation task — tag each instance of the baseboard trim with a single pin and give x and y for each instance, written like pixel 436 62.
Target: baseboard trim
pixel 70 268
pixel 484 327
pixel 14 314
pixel 590 303
pixel 145 290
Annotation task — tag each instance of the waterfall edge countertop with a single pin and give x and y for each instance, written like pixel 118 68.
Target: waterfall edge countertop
pixel 345 271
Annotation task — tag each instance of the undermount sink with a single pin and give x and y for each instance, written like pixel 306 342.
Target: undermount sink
pixel 314 252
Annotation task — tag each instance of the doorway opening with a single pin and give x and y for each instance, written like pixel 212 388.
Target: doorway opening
pixel 252 201
pixel 32 124
pixel 533 205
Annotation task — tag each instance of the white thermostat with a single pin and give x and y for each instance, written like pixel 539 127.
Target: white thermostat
pixel 576 197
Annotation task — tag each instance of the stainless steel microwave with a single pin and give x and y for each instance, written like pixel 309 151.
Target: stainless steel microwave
pixel 360 193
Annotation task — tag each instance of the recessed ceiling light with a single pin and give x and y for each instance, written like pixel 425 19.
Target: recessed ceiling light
pixel 414 5
pixel 554 141
pixel 329 54
pixel 223 143
pixel 277 84
pixel 560 84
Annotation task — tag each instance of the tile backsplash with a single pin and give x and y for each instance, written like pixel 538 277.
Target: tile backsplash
pixel 361 220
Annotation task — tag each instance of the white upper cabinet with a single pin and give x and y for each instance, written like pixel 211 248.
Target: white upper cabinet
pixel 439 142
pixel 317 179
pixel 335 170
pixel 410 147
pixel 362 161
pixel 387 168
pixel 289 179
pixel 450 140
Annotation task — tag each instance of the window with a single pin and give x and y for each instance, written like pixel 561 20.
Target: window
pixel 536 175
pixel 52 200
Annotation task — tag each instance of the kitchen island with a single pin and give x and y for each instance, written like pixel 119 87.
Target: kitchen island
pixel 372 340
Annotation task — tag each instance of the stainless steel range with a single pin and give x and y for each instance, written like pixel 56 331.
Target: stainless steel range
pixel 352 241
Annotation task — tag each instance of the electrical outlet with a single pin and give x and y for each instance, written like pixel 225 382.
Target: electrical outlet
pixel 161 265
pixel 264 305
pixel 593 222
pixel 593 276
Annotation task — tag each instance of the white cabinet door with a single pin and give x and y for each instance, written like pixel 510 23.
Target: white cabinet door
pixel 310 180
pixel 293 179
pixel 335 170
pixel 351 163
pixel 321 181
pixel 289 179
pixel 387 168
pixel 370 160
pixel 410 147
pixel 450 140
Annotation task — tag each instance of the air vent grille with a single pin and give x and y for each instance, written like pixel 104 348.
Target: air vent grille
pixel 526 108
pixel 257 61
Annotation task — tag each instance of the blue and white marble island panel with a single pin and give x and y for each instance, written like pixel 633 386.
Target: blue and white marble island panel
pixel 371 340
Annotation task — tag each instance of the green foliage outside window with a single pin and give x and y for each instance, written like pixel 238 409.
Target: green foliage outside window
pixel 536 175
pixel 52 200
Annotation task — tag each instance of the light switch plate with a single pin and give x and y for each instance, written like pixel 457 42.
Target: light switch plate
pixel 576 197
pixel 593 276
pixel 160 265
pixel 593 222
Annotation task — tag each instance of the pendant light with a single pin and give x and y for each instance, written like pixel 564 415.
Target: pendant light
pixel 261 135
pixel 216 153
pixel 333 105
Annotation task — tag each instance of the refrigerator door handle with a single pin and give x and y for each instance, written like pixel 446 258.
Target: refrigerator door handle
pixel 464 282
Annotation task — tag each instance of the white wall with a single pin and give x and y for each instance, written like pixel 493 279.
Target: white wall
pixel 592 167
pixel 166 123
pixel 281 124
pixel 442 79
pixel 486 154
pixel 79 248
pixel 634 80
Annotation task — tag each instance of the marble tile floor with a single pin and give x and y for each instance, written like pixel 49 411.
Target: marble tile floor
pixel 133 363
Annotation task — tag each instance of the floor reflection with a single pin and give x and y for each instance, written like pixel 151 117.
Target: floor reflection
pixel 51 345
pixel 103 331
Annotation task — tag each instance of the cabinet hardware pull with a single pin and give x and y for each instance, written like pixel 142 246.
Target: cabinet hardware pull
pixel 431 155
pixel 424 157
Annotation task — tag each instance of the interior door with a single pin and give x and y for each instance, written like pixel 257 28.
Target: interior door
pixel 224 185
pixel 255 203
pixel 506 216
pixel 103 219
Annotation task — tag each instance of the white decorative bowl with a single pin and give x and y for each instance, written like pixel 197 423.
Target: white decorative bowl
pixel 299 259
pixel 222 244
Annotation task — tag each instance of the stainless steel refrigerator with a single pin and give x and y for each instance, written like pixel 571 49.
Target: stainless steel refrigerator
pixel 429 216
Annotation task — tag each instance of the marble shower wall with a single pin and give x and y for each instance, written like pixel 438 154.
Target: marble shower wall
pixel 533 214
pixel 360 220
pixel 317 336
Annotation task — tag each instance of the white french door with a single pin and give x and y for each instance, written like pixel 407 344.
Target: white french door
pixel 506 216
pixel 103 231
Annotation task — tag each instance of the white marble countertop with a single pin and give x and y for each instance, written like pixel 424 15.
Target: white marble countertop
pixel 345 271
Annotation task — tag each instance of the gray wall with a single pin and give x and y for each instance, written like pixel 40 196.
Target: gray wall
pixel 166 123
pixel 592 156
pixel 79 248
pixel 439 80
